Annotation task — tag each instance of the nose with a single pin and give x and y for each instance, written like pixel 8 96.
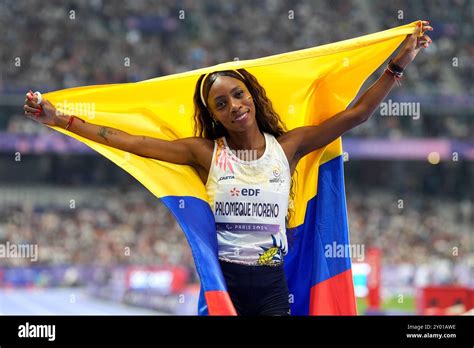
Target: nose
pixel 235 104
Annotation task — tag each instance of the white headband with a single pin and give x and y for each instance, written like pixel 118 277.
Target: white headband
pixel 204 79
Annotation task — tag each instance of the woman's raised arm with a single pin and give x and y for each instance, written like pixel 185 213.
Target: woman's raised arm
pixel 303 140
pixel 196 152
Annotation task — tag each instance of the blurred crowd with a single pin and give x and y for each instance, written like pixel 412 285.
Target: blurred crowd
pixel 114 228
pixel 432 238
pixel 56 44
pixel 424 240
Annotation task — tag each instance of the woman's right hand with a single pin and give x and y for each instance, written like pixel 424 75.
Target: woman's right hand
pixel 44 113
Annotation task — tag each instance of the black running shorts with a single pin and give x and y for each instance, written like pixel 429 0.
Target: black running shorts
pixel 257 290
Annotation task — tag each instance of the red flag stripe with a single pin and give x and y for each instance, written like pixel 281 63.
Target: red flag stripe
pixel 219 303
pixel 324 301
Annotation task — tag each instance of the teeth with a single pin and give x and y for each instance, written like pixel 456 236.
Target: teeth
pixel 241 116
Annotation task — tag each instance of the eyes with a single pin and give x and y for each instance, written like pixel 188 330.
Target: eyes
pixel 221 103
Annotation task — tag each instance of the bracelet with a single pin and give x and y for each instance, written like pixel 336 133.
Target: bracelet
pixel 71 120
pixel 396 76
pixel 394 67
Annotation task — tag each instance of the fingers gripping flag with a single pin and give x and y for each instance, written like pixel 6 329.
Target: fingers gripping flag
pixel 306 87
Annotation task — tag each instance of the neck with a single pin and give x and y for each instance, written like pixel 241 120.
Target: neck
pixel 249 140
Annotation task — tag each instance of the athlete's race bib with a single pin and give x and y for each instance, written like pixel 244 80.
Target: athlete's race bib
pixel 240 208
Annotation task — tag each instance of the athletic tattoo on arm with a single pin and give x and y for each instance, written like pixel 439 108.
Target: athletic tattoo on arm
pixel 104 132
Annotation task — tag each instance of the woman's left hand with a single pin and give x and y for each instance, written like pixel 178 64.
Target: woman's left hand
pixel 413 44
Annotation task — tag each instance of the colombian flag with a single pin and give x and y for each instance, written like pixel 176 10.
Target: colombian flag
pixel 306 88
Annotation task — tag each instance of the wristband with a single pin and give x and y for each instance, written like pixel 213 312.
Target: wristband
pixel 394 67
pixel 71 120
pixel 396 76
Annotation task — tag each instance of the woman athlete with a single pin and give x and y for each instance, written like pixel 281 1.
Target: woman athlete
pixel 246 159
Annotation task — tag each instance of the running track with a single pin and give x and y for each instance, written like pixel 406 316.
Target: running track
pixel 63 301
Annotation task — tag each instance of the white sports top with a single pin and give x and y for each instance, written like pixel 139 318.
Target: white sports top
pixel 249 200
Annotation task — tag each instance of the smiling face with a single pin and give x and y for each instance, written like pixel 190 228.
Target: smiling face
pixel 230 103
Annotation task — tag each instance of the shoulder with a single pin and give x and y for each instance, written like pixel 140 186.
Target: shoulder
pixel 198 141
pixel 198 145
